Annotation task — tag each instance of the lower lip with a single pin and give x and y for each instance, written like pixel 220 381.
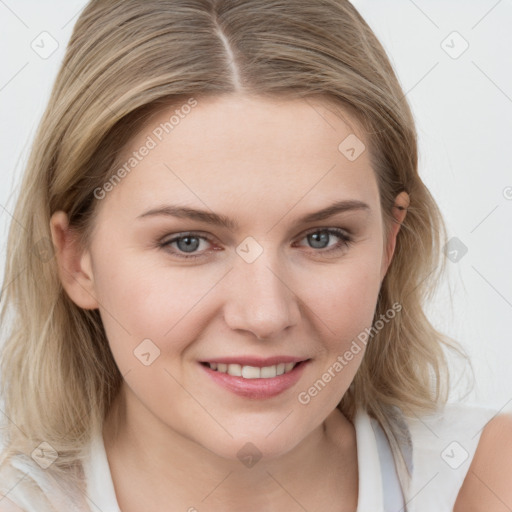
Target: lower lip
pixel 257 388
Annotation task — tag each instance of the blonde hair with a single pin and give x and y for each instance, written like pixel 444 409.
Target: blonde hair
pixel 125 60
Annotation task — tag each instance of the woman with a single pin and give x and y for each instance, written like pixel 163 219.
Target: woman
pixel 233 316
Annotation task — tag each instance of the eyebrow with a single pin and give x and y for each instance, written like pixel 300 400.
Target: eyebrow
pixel 209 217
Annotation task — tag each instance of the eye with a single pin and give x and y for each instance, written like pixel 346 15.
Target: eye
pixel 186 244
pixel 319 239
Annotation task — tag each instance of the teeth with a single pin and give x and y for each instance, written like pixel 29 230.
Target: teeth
pixel 249 372
pixel 235 370
pixel 268 372
pixel 253 372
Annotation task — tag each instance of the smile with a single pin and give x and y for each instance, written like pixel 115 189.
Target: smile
pixel 253 372
pixel 255 382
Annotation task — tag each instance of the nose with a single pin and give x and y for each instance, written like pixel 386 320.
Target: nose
pixel 260 299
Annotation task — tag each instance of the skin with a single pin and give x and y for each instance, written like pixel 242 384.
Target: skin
pixel 263 163
pixel 486 487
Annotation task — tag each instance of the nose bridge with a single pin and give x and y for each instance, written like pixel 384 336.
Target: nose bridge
pixel 260 300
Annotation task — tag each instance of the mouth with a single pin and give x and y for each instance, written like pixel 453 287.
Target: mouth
pixel 252 372
pixel 258 380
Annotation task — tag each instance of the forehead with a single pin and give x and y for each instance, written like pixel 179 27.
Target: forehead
pixel 248 153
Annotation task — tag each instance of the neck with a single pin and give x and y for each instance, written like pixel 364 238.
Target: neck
pixel 175 470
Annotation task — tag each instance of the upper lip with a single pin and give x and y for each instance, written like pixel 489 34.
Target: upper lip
pixel 255 360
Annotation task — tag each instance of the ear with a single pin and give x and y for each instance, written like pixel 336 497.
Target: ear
pixel 75 268
pixel 399 212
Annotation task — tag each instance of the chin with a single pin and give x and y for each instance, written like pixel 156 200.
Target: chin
pixel 258 446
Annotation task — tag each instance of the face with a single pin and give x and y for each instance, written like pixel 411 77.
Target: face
pixel 254 285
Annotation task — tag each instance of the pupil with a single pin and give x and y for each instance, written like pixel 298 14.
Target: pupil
pixel 319 238
pixel 188 246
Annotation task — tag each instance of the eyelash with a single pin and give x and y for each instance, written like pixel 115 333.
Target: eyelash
pixel 346 241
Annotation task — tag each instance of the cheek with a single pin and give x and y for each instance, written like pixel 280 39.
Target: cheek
pixel 171 305
pixel 344 296
pixel 141 301
pixel 342 304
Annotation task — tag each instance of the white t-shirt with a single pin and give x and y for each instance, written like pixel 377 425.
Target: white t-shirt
pixel 442 449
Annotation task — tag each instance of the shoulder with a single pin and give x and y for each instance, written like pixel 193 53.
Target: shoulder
pixel 443 446
pixel 487 487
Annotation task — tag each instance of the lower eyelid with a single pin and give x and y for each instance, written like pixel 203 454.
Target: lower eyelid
pixel 345 239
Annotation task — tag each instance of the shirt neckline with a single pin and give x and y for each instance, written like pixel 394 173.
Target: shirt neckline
pixel 101 493
pixel 370 492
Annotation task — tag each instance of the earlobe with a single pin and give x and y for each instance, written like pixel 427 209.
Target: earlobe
pixel 74 263
pixel 399 212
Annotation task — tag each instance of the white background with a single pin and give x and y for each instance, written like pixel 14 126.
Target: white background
pixel 463 108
